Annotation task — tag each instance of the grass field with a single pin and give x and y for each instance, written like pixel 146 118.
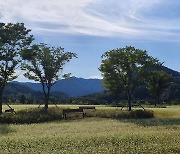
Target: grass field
pixel 96 135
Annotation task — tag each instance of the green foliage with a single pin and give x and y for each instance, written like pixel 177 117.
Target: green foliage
pixel 157 82
pixel 124 69
pixel 45 65
pixel 23 99
pixel 119 114
pixel 29 116
pixel 15 91
pixel 141 114
pixel 13 39
pixel 37 115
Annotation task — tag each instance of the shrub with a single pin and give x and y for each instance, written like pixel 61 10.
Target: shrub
pixel 141 114
pixel 119 114
pixel 32 116
pixel 38 115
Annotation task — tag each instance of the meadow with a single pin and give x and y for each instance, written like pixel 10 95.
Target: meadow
pixel 160 134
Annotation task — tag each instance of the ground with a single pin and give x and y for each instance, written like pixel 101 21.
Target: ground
pixel 96 135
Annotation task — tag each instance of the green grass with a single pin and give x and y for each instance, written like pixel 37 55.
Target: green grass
pixel 96 135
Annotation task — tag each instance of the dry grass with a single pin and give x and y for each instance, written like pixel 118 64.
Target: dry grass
pixel 96 135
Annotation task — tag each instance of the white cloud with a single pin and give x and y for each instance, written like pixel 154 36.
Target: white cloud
pixel 126 19
pixel 95 77
pixel 21 77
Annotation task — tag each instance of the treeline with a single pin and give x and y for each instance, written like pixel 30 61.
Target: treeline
pixel 16 93
pixel 167 90
pixel 169 97
pixel 19 94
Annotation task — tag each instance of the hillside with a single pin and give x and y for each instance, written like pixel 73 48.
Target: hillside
pixel 174 73
pixel 74 87
pixel 15 90
pixel 140 93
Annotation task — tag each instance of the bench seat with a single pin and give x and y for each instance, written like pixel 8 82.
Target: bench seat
pixel 66 111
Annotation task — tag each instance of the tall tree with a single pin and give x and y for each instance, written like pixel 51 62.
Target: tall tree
pixel 45 65
pixel 123 69
pixel 23 99
pixel 157 82
pixel 13 39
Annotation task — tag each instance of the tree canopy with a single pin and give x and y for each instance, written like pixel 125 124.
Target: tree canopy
pixel 157 82
pixel 123 69
pixel 13 39
pixel 45 65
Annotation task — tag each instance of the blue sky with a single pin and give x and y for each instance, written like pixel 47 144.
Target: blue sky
pixel 92 27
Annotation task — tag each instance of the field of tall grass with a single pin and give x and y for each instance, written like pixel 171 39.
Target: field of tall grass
pixel 95 135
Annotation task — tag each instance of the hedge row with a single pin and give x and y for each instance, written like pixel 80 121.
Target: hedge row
pixel 39 115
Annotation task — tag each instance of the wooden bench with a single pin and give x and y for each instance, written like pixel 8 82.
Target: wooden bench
pixel 87 107
pixel 66 111
pixel 10 110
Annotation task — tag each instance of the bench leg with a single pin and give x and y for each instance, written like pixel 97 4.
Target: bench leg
pixel 64 116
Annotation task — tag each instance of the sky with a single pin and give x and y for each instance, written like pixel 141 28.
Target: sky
pixel 92 27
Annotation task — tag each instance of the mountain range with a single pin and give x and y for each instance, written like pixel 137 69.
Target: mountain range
pixel 66 88
pixel 63 89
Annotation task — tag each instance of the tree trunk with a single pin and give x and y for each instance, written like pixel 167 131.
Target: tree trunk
pixel 46 101
pixel 47 98
pixel 155 103
pixel 129 100
pixel 156 100
pixel 129 105
pixel 1 101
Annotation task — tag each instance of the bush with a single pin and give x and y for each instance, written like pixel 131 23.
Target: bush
pixel 139 114
pixel 39 115
pixel 32 116
pixel 119 114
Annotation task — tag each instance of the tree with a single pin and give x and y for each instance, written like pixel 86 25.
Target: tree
pixel 13 39
pixel 23 99
pixel 123 69
pixel 156 83
pixel 45 65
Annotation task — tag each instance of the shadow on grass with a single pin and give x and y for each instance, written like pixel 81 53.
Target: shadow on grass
pixel 154 121
pixel 5 129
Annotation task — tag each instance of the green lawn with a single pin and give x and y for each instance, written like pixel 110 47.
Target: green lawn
pixel 96 135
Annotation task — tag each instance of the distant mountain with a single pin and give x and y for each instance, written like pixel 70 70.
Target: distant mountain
pixel 73 87
pixel 174 73
pixel 15 90
pixel 141 93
